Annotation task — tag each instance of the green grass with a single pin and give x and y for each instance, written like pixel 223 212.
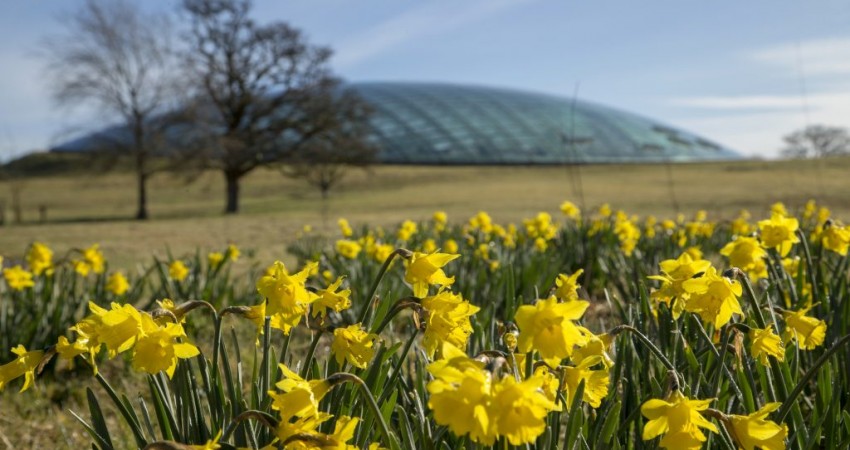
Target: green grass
pixel 83 209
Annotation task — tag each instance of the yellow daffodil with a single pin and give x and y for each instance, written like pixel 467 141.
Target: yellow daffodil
pixel 807 332
pixel 570 210
pixel 382 252
pixel 117 284
pixel 92 261
pixel 779 232
pixel 424 270
pixel 548 327
pixel 836 238
pixel 748 255
pixel 446 320
pixel 567 286
pixel 679 418
pixel 233 253
pixel 766 343
pixel 214 259
pixel 17 278
pixel 595 381
pixel 713 297
pixel 628 233
pixel 674 272
pixel 24 365
pixel 332 298
pixel 177 270
pixel 354 345
pixel 440 219
pixel 519 410
pixel 299 398
pixel 741 225
pixel 481 222
pixel 461 402
pixel 159 347
pixel 344 227
pixel 407 229
pixel 429 246
pixel 287 295
pixel 347 248
pixel 40 258
pixel 118 327
pixel 753 431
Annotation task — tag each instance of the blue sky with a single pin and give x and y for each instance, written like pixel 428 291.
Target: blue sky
pixel 743 73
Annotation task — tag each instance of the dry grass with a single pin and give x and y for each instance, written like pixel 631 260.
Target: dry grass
pixel 187 216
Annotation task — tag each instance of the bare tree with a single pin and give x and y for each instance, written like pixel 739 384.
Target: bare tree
pixel 324 160
pixel 116 57
pixel 817 141
pixel 263 92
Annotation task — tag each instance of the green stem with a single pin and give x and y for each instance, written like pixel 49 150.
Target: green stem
pixel 792 398
pixel 309 361
pixel 390 440
pixel 397 368
pixel 400 305
pixel 655 350
pixel 810 266
pixel 137 433
pixel 265 418
pixel 374 288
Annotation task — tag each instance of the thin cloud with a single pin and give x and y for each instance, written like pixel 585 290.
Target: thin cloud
pixel 815 57
pixel 431 19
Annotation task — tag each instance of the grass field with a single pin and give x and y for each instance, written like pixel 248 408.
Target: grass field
pixel 85 209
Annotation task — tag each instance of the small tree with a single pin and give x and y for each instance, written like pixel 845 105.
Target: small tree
pixel 118 58
pixel 324 160
pixel 263 92
pixel 817 141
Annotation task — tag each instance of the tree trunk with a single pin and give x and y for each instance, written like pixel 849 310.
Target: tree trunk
pixel 142 213
pixel 141 162
pixel 232 180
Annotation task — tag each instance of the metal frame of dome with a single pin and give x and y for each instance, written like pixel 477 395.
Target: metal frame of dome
pixel 430 123
pixel 433 123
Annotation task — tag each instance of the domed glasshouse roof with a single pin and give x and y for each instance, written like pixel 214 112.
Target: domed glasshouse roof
pixel 424 123
pixel 430 123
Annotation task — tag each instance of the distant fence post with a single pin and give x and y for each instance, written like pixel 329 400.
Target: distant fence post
pixel 42 213
pixel 2 212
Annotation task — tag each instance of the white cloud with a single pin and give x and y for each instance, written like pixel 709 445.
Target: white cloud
pixel 816 57
pixel 431 19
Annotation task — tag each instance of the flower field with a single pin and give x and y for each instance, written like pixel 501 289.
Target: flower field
pixel 575 330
